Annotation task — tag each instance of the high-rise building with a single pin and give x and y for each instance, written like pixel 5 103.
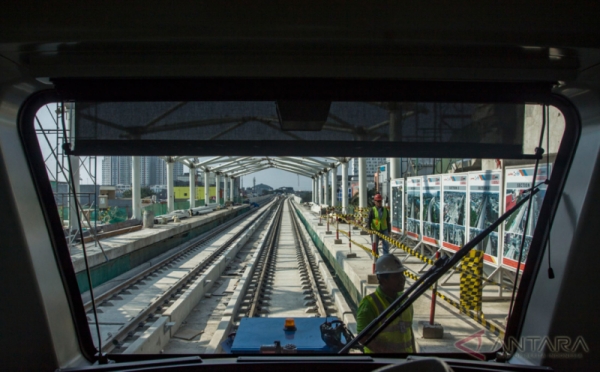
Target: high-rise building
pixel 154 171
pixel 145 165
pixel 107 175
pixel 116 170
pixel 372 164
pixel 177 170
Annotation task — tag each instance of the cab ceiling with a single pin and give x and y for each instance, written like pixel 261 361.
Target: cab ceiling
pixel 524 41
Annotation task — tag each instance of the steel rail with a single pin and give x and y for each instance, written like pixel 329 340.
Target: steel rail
pixel 265 260
pixel 148 312
pixel 303 249
pixel 192 244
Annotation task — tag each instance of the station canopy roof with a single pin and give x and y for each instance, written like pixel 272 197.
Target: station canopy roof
pixel 237 166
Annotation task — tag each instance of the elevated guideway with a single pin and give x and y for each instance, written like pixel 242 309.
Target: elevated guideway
pixel 114 256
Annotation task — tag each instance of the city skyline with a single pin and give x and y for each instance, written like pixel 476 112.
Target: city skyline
pixel 116 170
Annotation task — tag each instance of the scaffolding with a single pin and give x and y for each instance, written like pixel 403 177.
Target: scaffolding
pixel 53 123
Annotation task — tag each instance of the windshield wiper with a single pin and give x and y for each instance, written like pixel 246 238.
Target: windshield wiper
pixel 419 287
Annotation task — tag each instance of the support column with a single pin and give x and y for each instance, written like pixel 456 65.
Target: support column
pixel 362 182
pixel 73 212
pixel 231 189
pixel 319 189
pixel 334 201
pixel 322 191
pixel 344 186
pixel 218 188
pixel 395 120
pixel 192 187
pixel 225 188
pixel 395 168
pixel 314 190
pixel 206 187
pixel 170 188
pixel 136 190
pixel 325 188
pixel 74 166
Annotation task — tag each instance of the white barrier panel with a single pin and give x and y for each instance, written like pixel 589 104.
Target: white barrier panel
pixel 414 215
pixel 454 211
pixel 517 182
pixel 432 186
pixel 316 208
pixel 397 204
pixel 484 209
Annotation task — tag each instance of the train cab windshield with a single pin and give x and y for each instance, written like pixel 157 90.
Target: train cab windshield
pixel 170 239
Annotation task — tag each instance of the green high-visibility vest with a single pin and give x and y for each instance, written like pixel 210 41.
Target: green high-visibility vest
pixel 397 337
pixel 379 223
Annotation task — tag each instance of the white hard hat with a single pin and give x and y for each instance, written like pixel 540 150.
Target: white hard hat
pixel 388 264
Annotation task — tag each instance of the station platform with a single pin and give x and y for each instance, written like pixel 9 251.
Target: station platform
pixel 116 255
pixel 460 331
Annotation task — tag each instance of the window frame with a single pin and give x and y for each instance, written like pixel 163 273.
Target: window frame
pixel 251 89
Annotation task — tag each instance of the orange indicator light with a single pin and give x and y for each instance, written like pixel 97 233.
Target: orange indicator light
pixel 290 325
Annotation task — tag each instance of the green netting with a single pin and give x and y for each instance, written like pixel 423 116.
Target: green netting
pixel 113 215
pixel 182 205
pixel 157 209
pixel 95 215
pixel 118 214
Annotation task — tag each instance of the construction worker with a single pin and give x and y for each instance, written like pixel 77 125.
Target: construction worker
pixel 398 336
pixel 379 220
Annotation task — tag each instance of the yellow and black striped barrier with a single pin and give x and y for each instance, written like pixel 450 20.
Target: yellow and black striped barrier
pixel 465 269
pixel 405 248
pixel 429 261
pixel 480 319
pixel 471 289
pixel 368 250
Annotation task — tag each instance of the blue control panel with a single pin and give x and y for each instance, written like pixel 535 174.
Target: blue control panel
pixel 256 332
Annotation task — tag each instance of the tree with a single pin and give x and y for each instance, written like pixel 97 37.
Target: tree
pixel 145 191
pixel 306 196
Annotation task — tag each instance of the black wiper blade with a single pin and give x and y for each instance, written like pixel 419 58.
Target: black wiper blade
pixel 419 287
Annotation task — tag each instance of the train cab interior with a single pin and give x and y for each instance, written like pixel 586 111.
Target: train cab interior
pixel 283 70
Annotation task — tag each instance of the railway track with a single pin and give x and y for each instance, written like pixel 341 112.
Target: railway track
pixel 287 281
pixel 130 309
pixel 262 266
pixel 186 249
pixel 284 276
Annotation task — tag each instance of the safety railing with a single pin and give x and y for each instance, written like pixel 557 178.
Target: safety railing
pixel 470 267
